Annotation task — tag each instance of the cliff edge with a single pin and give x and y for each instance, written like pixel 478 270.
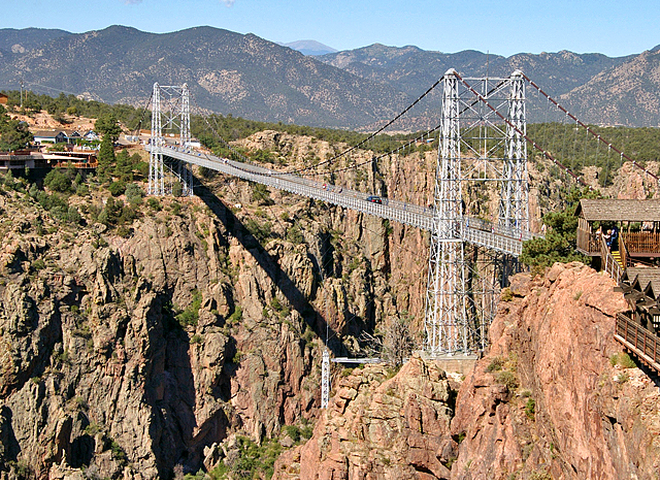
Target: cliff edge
pixel 551 399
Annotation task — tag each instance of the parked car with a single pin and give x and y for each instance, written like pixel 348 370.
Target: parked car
pixel 374 199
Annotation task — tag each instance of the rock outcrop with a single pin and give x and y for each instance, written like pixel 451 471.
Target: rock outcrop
pixel 167 345
pixel 145 351
pixel 549 400
pixel 546 402
pixel 380 427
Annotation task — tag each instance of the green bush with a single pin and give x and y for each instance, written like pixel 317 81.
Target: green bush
pixel 73 216
pixel 294 235
pixel 38 264
pixel 253 461
pixel 154 204
pixel 292 432
pixel 175 208
pixel 530 408
pixel 134 194
pixel 506 295
pixel 142 168
pixel 58 181
pixel 82 190
pixel 260 230
pixel 117 188
pixel 190 316
pixel 261 194
pixel 507 378
pixel 236 316
pixel 559 243
pixel 626 362
pixel 495 365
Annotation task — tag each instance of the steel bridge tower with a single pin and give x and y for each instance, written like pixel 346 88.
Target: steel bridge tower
pixel 514 199
pixel 445 298
pixel 473 130
pixel 170 112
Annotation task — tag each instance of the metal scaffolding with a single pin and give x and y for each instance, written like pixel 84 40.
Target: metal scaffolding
pixel 170 112
pixel 325 379
pixel 445 297
pixel 463 280
pixel 514 199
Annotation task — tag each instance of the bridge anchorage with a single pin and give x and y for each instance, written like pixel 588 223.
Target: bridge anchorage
pixel 170 112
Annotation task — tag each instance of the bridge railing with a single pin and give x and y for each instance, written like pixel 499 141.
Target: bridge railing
pixel 477 231
pixel 610 265
pixel 393 210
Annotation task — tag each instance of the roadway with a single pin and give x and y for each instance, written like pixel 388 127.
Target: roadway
pixel 474 230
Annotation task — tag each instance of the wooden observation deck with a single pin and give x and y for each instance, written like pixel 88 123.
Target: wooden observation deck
pixel 638 226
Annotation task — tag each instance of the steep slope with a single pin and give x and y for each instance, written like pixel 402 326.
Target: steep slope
pixel 546 402
pixel 152 349
pixel 20 41
pixel 227 72
pixel 380 427
pixel 244 75
pixel 625 95
pixel 413 70
pixel 547 399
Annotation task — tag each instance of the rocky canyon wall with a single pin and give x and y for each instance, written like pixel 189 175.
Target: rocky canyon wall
pixel 549 400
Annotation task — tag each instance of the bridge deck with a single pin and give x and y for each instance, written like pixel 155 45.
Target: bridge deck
pixel 476 231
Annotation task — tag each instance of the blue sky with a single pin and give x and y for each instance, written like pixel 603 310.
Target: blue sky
pixel 502 27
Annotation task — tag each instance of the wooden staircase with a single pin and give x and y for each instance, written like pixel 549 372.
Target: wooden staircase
pixel 617 256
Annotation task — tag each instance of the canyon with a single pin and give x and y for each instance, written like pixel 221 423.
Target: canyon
pixel 193 336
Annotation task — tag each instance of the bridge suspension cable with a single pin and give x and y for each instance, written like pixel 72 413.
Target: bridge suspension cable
pixel 589 130
pixel 370 137
pixel 410 143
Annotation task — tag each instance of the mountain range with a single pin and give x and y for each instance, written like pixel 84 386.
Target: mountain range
pixel 245 75
pixel 310 47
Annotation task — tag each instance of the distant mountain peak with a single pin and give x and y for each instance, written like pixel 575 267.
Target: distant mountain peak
pixel 310 47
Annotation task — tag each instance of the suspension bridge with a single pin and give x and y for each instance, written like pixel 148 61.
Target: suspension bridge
pixel 483 120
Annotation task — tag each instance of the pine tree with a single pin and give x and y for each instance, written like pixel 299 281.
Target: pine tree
pixel 106 159
pixel 124 167
pixel 108 126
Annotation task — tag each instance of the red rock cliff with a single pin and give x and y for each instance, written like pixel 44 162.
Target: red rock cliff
pixel 546 402
pixel 549 400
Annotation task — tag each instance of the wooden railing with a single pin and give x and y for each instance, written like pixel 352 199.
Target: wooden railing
pixel 642 242
pixel 629 242
pixel 587 241
pixel 623 251
pixel 642 342
pixel 610 265
pixel 75 165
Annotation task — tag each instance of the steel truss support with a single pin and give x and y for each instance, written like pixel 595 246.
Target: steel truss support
pixel 445 295
pixel 170 111
pixel 514 198
pixel 463 280
pixel 156 173
pixel 325 379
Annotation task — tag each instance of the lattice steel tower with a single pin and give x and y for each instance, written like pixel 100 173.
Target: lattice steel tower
pixel 477 145
pixel 514 199
pixel 445 299
pixel 170 111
